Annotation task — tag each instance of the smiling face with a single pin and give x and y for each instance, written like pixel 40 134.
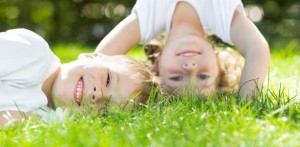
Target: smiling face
pixel 188 61
pixel 94 80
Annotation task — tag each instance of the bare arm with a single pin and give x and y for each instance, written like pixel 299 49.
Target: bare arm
pixel 10 117
pixel 122 38
pixel 255 49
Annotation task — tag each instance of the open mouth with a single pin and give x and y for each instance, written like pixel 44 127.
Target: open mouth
pixel 78 91
pixel 189 53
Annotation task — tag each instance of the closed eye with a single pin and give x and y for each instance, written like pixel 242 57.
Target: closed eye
pixel 203 77
pixel 176 78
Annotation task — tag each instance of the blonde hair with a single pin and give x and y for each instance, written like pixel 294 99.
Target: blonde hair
pixel 230 65
pixel 147 79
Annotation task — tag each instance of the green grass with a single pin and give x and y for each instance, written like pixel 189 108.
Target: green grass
pixel 221 120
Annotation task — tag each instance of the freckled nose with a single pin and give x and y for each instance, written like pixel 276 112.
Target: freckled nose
pixel 190 66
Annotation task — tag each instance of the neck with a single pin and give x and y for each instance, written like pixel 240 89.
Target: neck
pixel 48 85
pixel 185 24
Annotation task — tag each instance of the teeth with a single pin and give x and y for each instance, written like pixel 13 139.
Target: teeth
pixel 79 91
pixel 79 85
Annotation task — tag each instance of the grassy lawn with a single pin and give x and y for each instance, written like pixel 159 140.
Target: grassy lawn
pixel 221 120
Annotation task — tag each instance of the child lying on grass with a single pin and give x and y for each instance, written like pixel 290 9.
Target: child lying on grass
pixel 32 77
pixel 188 58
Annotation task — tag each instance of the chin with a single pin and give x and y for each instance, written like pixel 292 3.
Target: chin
pixel 58 93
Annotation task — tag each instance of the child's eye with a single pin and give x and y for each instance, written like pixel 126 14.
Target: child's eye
pixel 176 78
pixel 108 79
pixel 203 77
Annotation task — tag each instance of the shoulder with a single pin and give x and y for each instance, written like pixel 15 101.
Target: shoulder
pixel 151 16
pixel 218 15
pixel 24 42
pixel 151 4
pixel 24 52
pixel 151 10
pixel 27 38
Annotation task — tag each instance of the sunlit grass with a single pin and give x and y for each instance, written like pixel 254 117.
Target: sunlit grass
pixel 221 120
pixel 285 69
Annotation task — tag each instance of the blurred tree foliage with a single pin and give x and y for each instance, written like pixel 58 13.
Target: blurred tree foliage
pixel 89 21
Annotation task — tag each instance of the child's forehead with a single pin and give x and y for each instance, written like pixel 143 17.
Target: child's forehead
pixel 113 59
pixel 120 65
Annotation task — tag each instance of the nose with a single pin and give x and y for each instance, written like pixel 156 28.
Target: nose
pixel 98 96
pixel 98 100
pixel 190 66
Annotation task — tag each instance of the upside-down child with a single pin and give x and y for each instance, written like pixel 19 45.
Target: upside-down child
pixel 32 77
pixel 188 57
pixel 230 64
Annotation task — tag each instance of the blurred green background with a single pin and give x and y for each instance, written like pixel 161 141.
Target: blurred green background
pixel 88 21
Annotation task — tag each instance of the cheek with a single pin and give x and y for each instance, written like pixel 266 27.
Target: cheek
pixel 58 92
pixel 167 61
pixel 210 62
pixel 169 67
pixel 207 91
pixel 62 91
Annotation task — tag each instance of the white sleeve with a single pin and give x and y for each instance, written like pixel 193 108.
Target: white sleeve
pixel 151 17
pixel 218 16
pixel 26 99
pixel 22 50
pixel 23 60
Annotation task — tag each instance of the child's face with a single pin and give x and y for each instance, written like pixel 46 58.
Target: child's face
pixel 94 80
pixel 188 61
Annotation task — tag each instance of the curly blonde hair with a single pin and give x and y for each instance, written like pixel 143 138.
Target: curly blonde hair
pixel 230 65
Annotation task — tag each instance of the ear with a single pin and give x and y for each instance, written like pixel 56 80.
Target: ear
pixel 89 55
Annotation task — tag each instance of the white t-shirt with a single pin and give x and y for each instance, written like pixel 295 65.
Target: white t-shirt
pixel 26 61
pixel 155 16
